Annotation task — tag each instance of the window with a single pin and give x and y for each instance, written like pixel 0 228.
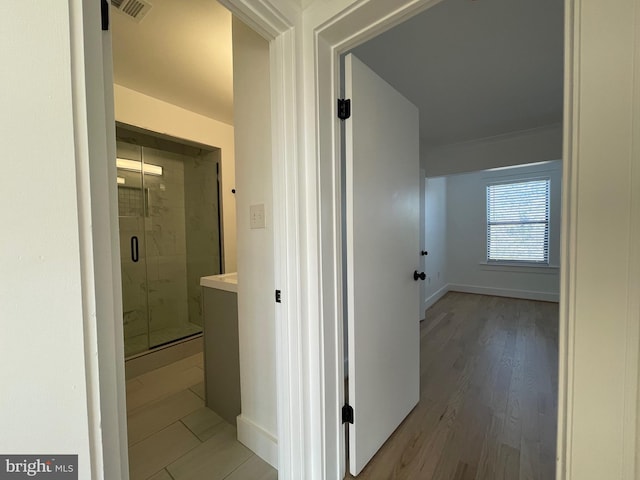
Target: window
pixel 518 222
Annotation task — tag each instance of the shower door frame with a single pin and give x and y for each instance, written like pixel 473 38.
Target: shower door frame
pixel 143 135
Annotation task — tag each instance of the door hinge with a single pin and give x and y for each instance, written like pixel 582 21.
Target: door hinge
pixel 344 108
pixel 278 296
pixel 104 10
pixel 347 414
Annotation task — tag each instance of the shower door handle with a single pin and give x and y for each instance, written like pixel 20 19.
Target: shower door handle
pixel 134 249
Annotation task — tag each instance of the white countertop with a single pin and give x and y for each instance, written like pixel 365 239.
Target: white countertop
pixel 226 281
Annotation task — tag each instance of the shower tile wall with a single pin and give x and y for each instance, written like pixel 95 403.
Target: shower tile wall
pixel 203 252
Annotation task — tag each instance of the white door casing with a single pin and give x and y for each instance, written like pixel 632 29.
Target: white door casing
pixel 382 197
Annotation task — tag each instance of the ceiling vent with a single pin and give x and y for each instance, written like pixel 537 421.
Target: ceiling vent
pixel 134 9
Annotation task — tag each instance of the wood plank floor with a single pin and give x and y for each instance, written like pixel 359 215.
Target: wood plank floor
pixel 488 403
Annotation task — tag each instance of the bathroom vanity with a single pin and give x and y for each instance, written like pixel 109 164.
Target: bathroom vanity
pixel 221 354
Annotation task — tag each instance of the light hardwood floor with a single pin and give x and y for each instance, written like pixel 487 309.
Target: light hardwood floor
pixel 173 436
pixel 488 403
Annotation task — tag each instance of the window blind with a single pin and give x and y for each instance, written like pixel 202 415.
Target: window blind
pixel 518 222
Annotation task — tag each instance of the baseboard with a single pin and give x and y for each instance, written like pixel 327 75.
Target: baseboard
pixel 505 292
pixel 435 297
pixel 257 439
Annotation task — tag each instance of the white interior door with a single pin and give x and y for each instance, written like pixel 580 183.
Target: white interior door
pixel 382 222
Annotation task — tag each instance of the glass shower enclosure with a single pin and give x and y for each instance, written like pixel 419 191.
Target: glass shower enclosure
pixel 169 217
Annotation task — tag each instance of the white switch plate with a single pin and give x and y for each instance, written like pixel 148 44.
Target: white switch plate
pixel 256 219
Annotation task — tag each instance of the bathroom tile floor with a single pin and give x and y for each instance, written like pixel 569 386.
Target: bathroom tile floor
pixel 173 436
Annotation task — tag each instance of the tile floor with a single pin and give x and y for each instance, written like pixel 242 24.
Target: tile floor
pixel 173 436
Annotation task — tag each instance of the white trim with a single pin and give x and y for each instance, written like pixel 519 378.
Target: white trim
pixel 88 260
pixel 516 267
pixel 330 313
pixel 494 291
pixel 257 439
pixel 429 302
pixel 514 174
pixel 552 127
pixel 568 236
pixel 293 449
pixel 94 134
pixel 631 429
pixel 287 261
pixel 264 18
pixel 505 292
pixel 584 341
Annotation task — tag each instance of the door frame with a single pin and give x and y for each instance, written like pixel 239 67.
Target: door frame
pixel 333 38
pixel 277 26
pixel 95 131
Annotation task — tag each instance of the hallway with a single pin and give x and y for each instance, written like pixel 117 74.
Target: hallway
pixel 488 404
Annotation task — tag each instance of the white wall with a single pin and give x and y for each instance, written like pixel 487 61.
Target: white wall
pixel 257 424
pixel 46 405
pixel 140 110
pixel 528 146
pixel 467 237
pixel 435 240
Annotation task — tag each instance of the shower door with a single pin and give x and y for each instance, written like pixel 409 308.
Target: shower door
pixel 131 214
pixel 166 241
pixel 168 203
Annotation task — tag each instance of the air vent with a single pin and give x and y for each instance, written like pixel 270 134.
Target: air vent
pixel 134 9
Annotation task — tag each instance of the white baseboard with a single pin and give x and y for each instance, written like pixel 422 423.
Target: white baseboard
pixel 435 297
pixel 257 439
pixel 505 292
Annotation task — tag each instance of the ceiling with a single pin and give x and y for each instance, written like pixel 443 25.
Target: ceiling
pixel 475 68
pixel 180 52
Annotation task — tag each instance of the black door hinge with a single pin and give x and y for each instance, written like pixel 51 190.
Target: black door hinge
pixel 104 10
pixel 347 414
pixel 278 296
pixel 344 108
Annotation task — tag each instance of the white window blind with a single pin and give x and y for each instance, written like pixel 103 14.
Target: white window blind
pixel 518 222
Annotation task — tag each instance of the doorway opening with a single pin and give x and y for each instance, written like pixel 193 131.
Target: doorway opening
pixel 494 129
pixel 175 78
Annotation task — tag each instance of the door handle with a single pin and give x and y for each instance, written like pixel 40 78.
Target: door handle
pixel 424 252
pixel 419 276
pixel 134 249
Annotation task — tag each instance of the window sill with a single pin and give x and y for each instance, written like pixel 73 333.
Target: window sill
pixel 517 267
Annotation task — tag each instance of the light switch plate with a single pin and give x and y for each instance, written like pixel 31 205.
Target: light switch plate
pixel 256 213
